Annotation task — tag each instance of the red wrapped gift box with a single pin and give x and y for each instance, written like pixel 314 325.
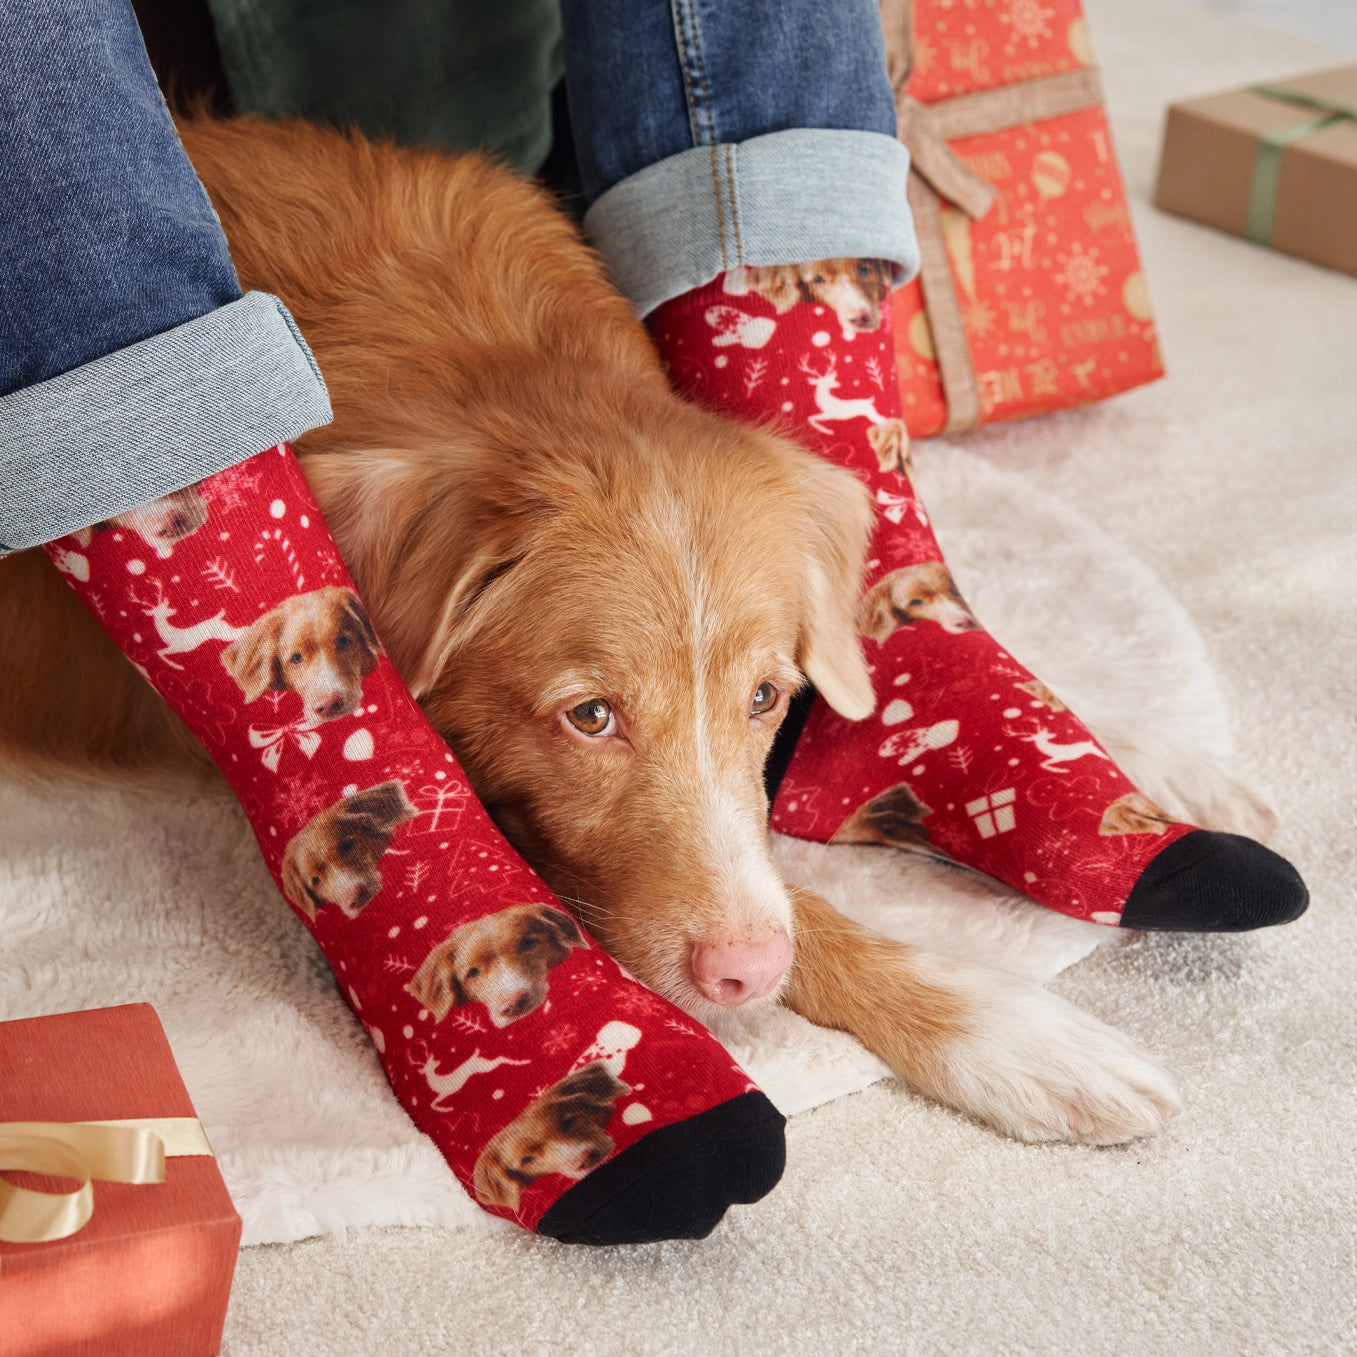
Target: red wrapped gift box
pixel 151 1270
pixel 1031 295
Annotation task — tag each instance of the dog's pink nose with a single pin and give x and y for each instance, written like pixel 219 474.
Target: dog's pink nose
pixel 733 973
pixel 332 704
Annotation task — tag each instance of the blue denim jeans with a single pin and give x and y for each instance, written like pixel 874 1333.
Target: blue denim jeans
pixel 130 365
pixel 715 133
pixel 711 133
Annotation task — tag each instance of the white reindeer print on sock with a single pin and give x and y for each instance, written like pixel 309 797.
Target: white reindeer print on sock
pixel 1057 754
pixel 183 640
pixel 445 1085
pixel 833 408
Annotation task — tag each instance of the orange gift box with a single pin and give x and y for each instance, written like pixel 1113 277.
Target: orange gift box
pixel 1031 295
pixel 150 1271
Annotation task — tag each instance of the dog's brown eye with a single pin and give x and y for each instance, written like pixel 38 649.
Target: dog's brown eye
pixel 295 657
pixel 592 717
pixel 343 642
pixel 473 972
pixel 315 881
pixel 765 699
pixel 527 1161
pixel 527 944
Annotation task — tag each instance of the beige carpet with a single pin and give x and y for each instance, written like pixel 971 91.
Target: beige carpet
pixel 901 1228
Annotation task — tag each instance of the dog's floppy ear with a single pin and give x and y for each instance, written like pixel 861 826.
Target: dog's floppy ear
pixel 875 617
pixel 560 925
pixel 383 807
pixel 779 284
pixel 435 983
pixel 424 586
pixel 491 1180
pixel 295 886
pixel 595 1083
pixel 838 513
pixel 252 659
pixel 359 616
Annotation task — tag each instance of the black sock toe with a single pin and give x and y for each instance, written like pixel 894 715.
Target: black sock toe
pixel 1215 883
pixel 677 1182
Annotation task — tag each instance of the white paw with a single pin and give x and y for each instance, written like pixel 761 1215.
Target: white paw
pixel 1037 1068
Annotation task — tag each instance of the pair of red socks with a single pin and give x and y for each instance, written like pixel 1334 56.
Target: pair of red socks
pixel 564 1094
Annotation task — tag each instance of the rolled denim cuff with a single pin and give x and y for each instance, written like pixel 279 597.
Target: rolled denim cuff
pixel 154 417
pixel 784 198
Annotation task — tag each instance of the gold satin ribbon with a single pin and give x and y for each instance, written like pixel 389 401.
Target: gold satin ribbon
pixel 131 1151
pixel 937 173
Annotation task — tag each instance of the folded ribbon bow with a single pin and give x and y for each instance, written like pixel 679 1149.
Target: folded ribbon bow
pixel 112 1151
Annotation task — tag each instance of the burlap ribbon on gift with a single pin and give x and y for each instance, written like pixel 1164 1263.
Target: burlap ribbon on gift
pixel 111 1151
pixel 938 173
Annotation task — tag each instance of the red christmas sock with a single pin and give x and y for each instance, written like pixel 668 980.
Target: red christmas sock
pixel 967 755
pixel 564 1094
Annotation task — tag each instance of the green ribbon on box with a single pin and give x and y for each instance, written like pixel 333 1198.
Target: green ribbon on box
pixel 1267 161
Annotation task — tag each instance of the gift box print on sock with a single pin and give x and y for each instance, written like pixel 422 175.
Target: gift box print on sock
pixel 516 1043
pixel 967 755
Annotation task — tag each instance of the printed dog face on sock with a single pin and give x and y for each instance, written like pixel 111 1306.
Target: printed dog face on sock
pixel 894 817
pixel 500 961
pixel 160 523
pixel 919 593
pixel 854 289
pixel 319 645
pixel 333 859
pixel 1134 813
pixel 563 1131
pixel 890 442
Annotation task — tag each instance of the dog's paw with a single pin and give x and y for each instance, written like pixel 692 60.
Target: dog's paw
pixel 1037 1068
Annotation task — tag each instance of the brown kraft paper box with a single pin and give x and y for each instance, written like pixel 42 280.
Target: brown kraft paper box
pixel 150 1272
pixel 1211 169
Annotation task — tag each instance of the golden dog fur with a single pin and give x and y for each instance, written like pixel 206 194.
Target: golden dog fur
pixel 534 520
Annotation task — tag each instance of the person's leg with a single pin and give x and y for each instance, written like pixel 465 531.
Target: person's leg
pixel 130 365
pixel 215 573
pixel 748 193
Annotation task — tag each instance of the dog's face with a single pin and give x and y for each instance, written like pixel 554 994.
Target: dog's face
pixel 563 1131
pixel 613 650
pixel 500 961
pixel 319 645
pixel 854 289
pixel 920 593
pixel 333 859
pixel 162 522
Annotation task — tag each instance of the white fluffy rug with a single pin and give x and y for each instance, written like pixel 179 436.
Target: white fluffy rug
pixel 115 895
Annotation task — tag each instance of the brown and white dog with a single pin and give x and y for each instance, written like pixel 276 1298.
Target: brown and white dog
pixel 320 646
pixel 919 593
pixel 332 859
pixel 501 961
pixel 160 523
pixel 855 290
pixel 563 1131
pixel 602 597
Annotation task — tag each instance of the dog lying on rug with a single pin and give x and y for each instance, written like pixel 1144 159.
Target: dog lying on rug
pixel 486 485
